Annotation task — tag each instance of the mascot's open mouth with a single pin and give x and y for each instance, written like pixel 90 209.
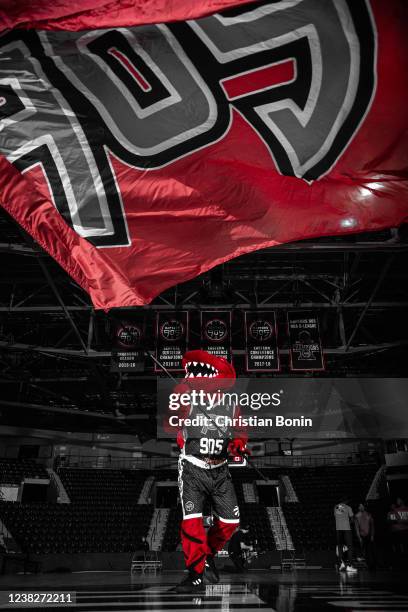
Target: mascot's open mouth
pixel 200 364
pixel 195 369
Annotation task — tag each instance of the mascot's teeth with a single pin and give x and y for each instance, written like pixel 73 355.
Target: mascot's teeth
pixel 198 375
pixel 195 363
pixel 202 363
pixel 205 375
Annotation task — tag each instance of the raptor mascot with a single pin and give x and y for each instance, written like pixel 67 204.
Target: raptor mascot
pixel 203 469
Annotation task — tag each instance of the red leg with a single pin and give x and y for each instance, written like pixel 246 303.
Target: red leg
pixel 219 534
pixel 194 543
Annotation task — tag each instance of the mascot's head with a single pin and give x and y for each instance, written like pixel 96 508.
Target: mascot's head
pixel 208 370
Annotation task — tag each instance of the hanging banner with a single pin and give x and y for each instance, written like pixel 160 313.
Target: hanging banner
pixel 216 333
pixel 171 339
pixel 304 339
pixel 261 342
pixel 127 355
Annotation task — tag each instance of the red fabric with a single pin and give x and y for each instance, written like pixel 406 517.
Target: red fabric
pixel 180 439
pixel 194 543
pixel 240 434
pixel 219 534
pixel 87 14
pixel 197 544
pixel 238 447
pixel 227 198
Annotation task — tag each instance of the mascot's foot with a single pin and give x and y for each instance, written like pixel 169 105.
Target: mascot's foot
pixel 194 583
pixel 211 574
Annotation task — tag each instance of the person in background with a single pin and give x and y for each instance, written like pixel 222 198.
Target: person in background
pixel 365 533
pixel 237 544
pixel 343 516
pixel 144 544
pixel 398 531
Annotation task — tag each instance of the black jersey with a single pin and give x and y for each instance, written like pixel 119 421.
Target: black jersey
pixel 211 430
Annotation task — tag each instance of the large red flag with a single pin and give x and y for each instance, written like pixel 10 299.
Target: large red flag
pixel 141 156
pixel 87 14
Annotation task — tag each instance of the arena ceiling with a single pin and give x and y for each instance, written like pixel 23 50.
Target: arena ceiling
pixel 55 348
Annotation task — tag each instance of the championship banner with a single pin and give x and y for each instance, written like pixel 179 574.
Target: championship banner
pixel 171 339
pixel 127 355
pixel 304 339
pixel 216 333
pixel 294 112
pixel 261 342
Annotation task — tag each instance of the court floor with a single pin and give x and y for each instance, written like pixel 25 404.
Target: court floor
pixel 312 591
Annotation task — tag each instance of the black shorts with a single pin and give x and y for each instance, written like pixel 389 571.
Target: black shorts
pixel 345 538
pixel 196 484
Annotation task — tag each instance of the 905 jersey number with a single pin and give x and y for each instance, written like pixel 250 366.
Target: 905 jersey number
pixel 210 446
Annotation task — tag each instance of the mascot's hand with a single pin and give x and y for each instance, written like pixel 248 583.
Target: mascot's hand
pixel 238 447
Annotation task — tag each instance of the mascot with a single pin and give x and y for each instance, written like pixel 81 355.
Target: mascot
pixel 203 467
